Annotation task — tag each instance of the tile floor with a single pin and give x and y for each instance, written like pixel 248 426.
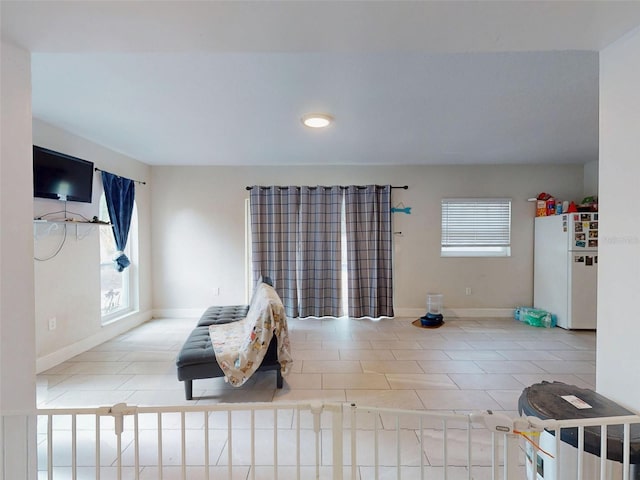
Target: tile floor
pixel 467 364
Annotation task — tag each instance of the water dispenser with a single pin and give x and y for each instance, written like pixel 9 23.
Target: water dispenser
pixel 433 318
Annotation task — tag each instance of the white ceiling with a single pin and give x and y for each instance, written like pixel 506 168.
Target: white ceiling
pixel 225 83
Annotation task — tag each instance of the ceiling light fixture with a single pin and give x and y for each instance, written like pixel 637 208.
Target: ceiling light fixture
pixel 317 120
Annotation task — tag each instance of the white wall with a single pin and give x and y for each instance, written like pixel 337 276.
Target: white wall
pixel 17 346
pixel 591 179
pixel 67 286
pixel 198 230
pixel 618 365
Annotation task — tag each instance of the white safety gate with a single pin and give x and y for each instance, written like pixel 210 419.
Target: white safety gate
pixel 297 441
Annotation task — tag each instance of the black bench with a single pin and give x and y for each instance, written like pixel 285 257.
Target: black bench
pixel 197 360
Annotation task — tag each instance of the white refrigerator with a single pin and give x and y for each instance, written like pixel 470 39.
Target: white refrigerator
pixel 565 280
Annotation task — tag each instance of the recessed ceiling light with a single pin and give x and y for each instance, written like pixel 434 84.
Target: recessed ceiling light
pixel 317 120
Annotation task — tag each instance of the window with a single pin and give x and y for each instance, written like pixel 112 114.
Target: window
pixel 476 227
pixel 116 288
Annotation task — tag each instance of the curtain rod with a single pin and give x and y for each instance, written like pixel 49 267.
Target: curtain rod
pixel 404 187
pixel 137 181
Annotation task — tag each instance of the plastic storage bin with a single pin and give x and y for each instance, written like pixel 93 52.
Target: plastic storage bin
pixel 544 400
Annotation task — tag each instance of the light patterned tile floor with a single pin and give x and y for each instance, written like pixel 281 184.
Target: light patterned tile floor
pixel 466 365
pixel 336 354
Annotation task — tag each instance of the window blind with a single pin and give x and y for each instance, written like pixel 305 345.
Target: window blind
pixel 476 222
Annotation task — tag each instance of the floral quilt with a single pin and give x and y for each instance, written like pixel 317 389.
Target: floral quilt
pixel 241 346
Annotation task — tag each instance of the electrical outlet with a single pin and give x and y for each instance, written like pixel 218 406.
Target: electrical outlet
pixel 52 323
pixel 467 291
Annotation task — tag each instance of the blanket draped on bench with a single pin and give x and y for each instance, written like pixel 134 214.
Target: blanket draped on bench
pixel 240 346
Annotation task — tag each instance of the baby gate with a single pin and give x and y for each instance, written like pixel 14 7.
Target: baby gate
pixel 292 441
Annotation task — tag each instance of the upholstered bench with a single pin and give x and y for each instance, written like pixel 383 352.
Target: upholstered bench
pixel 197 360
pixel 226 314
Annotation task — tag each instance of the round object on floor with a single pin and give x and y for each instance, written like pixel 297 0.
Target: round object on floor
pixel 424 322
pixel 431 320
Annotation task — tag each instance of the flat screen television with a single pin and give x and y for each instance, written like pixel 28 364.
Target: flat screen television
pixel 61 177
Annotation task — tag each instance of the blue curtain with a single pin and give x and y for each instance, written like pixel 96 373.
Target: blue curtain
pixel 120 194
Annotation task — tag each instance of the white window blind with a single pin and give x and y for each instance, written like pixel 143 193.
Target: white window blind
pixel 476 227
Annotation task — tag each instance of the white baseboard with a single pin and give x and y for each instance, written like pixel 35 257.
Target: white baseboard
pixel 409 312
pixel 480 312
pixel 107 333
pixel 178 313
pixel 400 312
pixel 458 312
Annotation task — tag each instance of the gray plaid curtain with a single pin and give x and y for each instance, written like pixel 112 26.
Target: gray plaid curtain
pixel 369 244
pixel 319 259
pixel 274 240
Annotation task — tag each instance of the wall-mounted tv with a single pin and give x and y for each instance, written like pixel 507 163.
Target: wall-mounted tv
pixel 61 177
